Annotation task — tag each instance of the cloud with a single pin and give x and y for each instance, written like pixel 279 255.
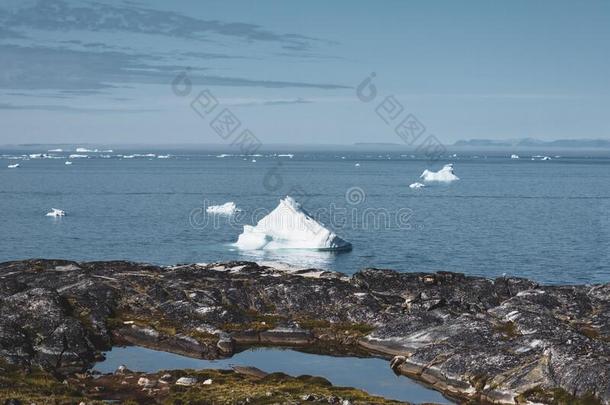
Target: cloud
pixel 82 70
pixel 65 108
pixel 249 103
pixel 59 15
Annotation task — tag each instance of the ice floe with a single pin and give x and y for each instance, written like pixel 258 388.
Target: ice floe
pixel 225 209
pixel 78 156
pixel 67 163
pixel 445 175
pixel 13 166
pixel 513 156
pixel 55 212
pixel 416 185
pixel 289 226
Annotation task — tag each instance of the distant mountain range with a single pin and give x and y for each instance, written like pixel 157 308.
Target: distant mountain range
pixel 534 143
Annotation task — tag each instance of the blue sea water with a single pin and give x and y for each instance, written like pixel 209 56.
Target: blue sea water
pixel 545 220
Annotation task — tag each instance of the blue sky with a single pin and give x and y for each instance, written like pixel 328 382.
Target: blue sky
pixel 100 72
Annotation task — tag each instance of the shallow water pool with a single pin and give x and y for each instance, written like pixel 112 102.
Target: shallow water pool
pixel 369 374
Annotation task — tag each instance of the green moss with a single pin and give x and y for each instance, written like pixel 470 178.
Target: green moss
pixel 508 329
pixel 313 323
pixel 556 396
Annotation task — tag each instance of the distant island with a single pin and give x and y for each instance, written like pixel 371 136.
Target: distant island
pixel 534 143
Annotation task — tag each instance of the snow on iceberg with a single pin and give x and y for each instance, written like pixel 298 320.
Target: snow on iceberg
pixel 56 213
pixel 417 185
pixel 444 175
pixel 225 209
pixel 289 226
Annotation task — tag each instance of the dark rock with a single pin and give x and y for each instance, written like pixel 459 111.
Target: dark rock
pixel 480 339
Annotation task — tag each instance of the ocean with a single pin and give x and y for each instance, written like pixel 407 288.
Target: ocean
pixel 544 220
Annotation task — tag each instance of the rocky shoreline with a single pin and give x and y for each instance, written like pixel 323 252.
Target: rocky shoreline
pixel 504 341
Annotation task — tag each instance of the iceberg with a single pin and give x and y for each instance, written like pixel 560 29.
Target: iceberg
pixel 13 166
pixel 417 185
pixel 513 156
pixel 67 163
pixel 445 175
pixel 56 213
pixel 225 209
pixel 289 226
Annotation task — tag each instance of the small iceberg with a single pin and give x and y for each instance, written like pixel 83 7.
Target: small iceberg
pixel 444 175
pixel 14 166
pixel 357 165
pixel 163 157
pixel 77 156
pixel 56 213
pixel 55 150
pixel 67 163
pixel 225 209
pixel 417 185
pixel 289 226
pixel 513 156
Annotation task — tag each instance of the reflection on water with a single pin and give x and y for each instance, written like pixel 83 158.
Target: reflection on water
pixel 298 258
pixel 371 375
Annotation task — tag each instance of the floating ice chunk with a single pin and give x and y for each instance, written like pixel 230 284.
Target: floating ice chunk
pixel 56 150
pixel 85 150
pixel 513 156
pixel 77 156
pixel 357 165
pixel 56 213
pixel 445 175
pixel 163 157
pixel 13 166
pixel 225 209
pixel 417 185
pixel 36 155
pixel 67 163
pixel 289 226
pixel 546 158
pixel 289 155
pixel 253 160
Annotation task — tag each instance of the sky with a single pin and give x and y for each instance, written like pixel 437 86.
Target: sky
pixel 113 72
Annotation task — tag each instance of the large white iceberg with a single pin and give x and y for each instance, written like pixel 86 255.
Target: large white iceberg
pixel 225 209
pixel 289 226
pixel 445 175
